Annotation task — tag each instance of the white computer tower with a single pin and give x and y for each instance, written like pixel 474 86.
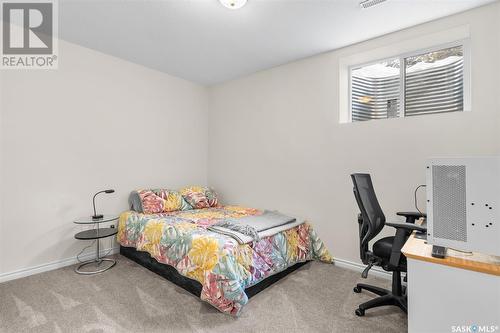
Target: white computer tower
pixel 463 203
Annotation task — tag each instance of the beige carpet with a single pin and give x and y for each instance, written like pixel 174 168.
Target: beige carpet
pixel 128 298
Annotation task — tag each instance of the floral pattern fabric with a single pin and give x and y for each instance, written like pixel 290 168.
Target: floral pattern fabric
pixel 199 196
pixel 162 200
pixel 222 265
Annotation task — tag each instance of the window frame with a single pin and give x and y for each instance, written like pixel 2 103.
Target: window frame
pixel 464 42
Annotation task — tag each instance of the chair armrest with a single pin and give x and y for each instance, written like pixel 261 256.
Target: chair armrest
pixel 402 232
pixel 407 226
pixel 414 215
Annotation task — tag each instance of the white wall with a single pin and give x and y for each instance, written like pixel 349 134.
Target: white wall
pixel 1 172
pixel 95 123
pixel 275 140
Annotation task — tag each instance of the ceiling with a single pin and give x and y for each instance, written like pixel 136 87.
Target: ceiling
pixel 204 42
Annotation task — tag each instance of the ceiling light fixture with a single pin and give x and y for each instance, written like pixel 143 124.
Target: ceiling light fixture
pixel 370 3
pixel 233 4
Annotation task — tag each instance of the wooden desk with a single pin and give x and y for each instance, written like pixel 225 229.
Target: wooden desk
pixel 418 249
pixel 451 294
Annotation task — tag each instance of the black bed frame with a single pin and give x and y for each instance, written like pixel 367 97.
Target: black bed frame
pixel 193 286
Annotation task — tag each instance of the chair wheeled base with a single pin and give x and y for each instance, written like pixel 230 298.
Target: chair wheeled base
pixel 396 296
pixel 387 297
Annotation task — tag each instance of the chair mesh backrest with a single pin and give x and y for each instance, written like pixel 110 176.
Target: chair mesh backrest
pixel 368 204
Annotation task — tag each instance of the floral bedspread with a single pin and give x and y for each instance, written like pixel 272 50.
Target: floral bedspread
pixel 223 267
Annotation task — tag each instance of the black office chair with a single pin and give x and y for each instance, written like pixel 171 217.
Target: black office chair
pixel 386 252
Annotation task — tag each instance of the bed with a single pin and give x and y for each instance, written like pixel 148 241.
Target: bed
pixel 171 237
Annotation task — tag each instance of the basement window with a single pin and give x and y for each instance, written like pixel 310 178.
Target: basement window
pixel 417 83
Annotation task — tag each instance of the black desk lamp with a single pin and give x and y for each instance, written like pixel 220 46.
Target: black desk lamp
pixel 100 216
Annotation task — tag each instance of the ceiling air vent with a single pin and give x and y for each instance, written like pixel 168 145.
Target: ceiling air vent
pixel 370 3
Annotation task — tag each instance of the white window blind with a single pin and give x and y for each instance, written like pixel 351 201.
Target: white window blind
pixel 414 84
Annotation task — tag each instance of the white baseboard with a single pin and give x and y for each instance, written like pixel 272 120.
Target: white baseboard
pixel 53 265
pixel 73 260
pixel 375 271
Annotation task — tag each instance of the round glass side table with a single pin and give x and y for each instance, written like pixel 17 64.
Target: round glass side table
pixel 96 234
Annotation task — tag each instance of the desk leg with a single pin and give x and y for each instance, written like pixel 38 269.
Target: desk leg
pixel 97 255
pixel 98 251
pixel 446 299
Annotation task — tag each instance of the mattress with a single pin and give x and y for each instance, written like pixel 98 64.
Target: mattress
pixel 218 262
